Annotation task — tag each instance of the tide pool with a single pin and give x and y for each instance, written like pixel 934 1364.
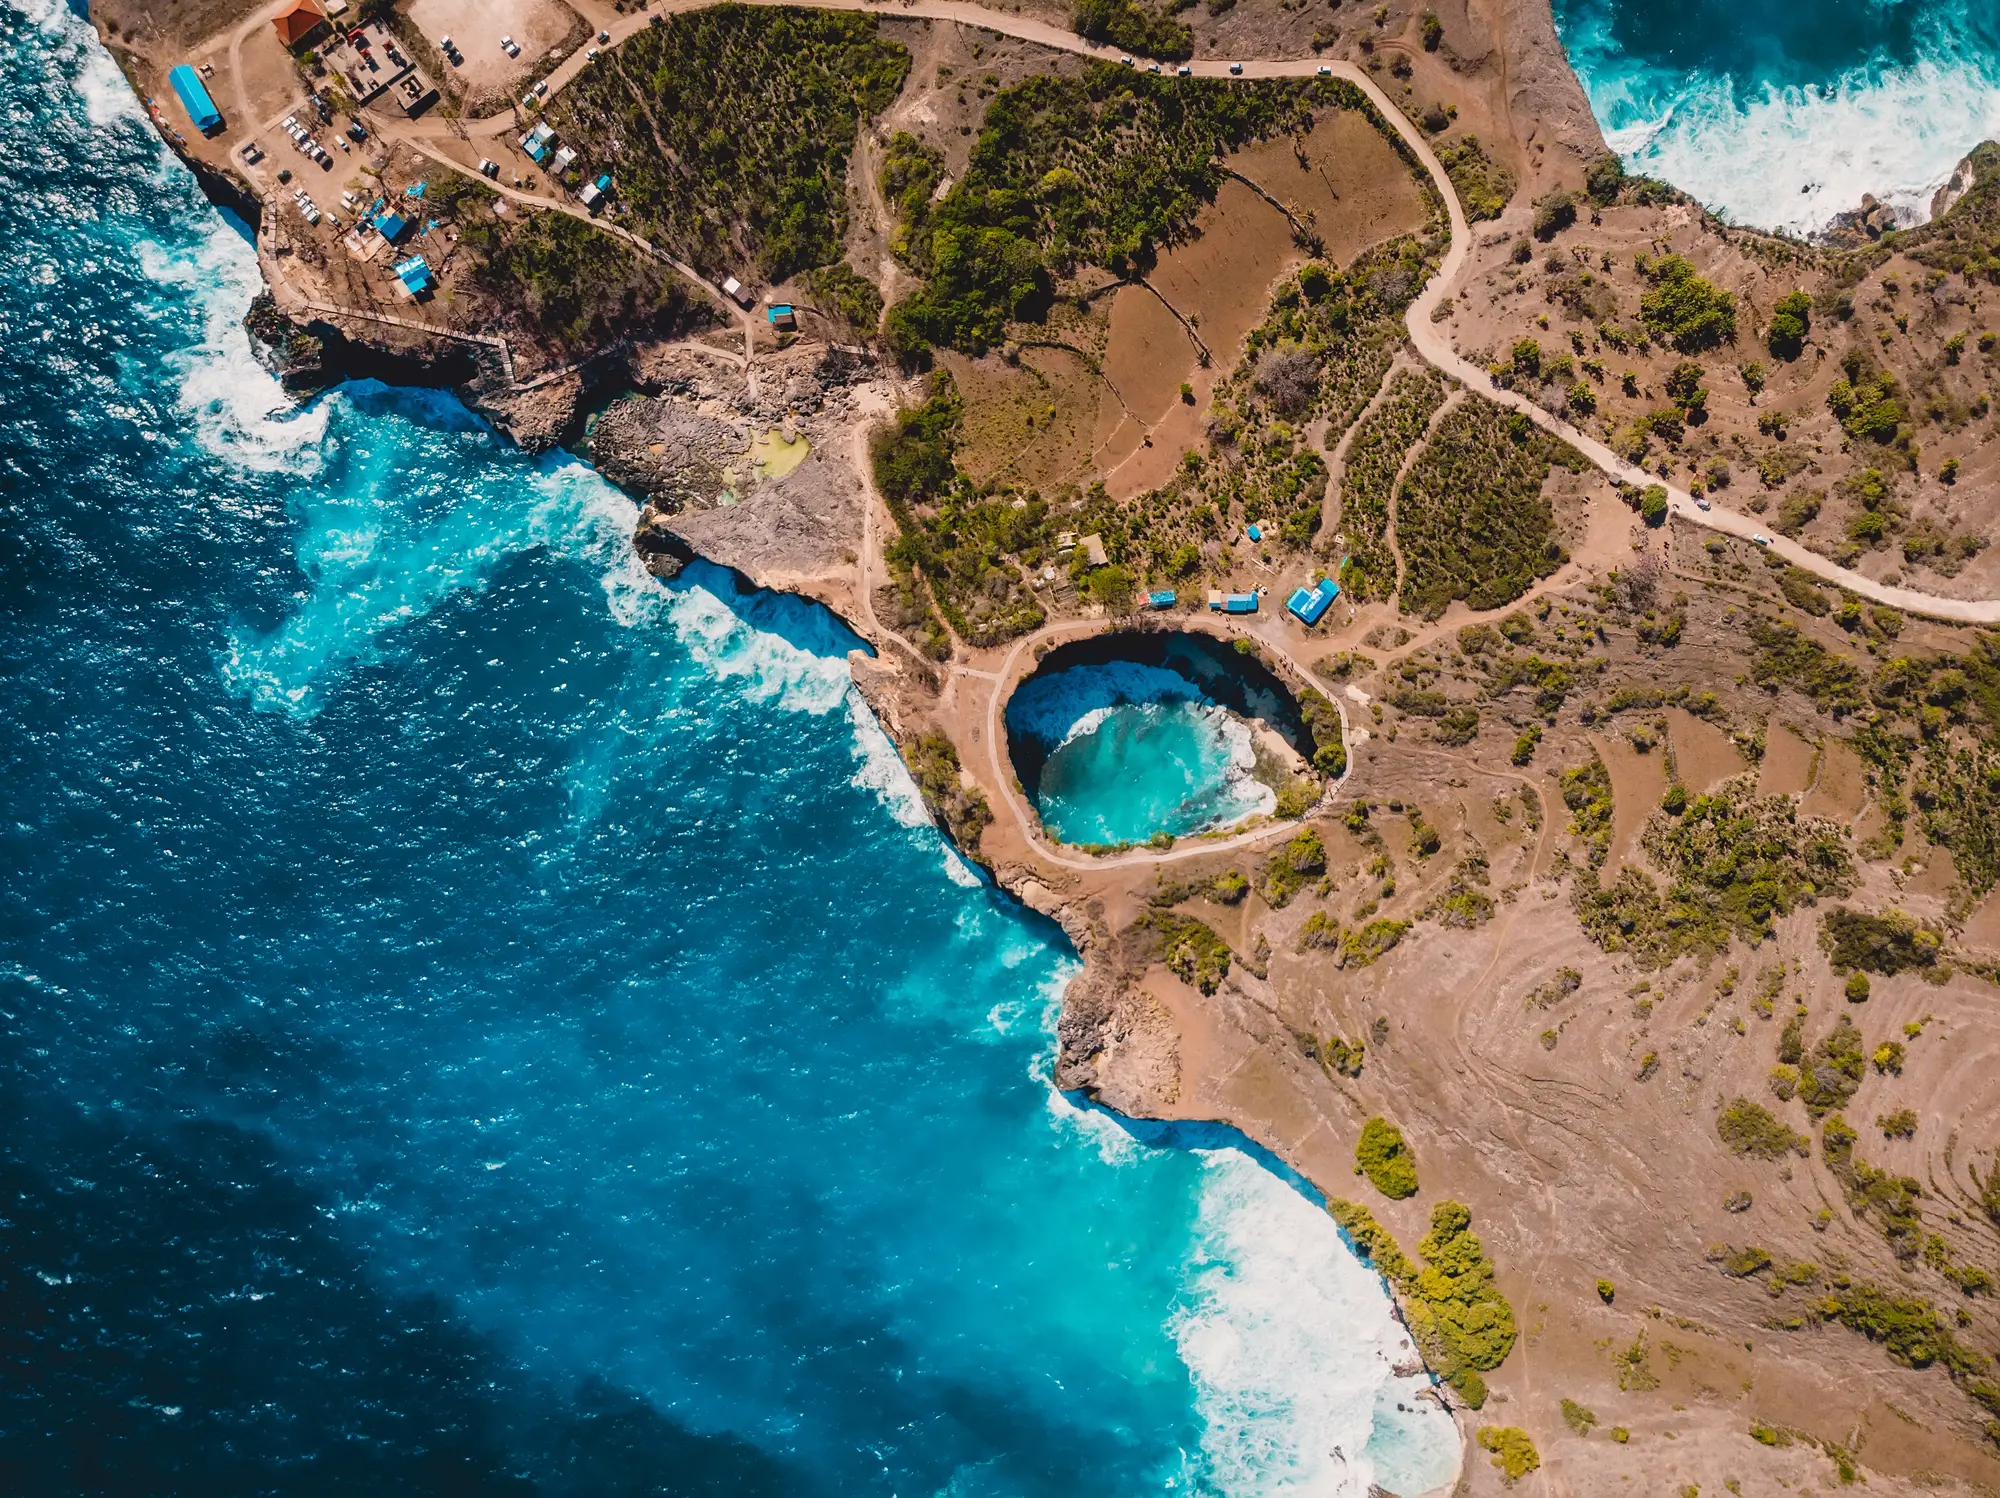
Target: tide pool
pixel 1782 113
pixel 1131 750
pixel 477 1018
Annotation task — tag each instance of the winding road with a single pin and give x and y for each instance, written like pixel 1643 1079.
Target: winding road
pixel 1432 340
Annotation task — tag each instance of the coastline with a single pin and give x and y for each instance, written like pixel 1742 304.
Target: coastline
pixel 1117 1045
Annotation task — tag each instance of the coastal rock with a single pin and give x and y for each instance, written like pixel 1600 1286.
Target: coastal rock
pixel 1860 225
pixel 313 354
pixel 1961 181
pixel 666 451
pixel 538 419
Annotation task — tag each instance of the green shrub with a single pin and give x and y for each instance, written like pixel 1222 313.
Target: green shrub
pixel 1513 1452
pixel 1832 1071
pixel 1385 1159
pixel 1133 27
pixel 1300 860
pixel 1752 1129
pixel 1375 455
pixel 1483 186
pixel 1606 1291
pixel 1471 520
pixel 1461 1322
pixel 731 128
pixel 1791 320
pixel 1190 949
pixel 1683 309
pixel 848 295
pixel 1886 944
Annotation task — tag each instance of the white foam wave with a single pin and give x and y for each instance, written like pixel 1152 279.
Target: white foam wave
pixel 1793 158
pixel 881 769
pixel 1291 1342
pixel 237 409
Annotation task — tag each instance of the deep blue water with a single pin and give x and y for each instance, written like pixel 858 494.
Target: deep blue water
pixel 1133 750
pixel 474 1019
pixel 1782 113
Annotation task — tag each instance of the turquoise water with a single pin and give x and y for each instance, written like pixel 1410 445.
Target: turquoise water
pixel 474 1018
pixel 1134 750
pixel 1782 113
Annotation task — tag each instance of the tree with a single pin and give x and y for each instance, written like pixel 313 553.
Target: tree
pixel 1385 1159
pixel 1683 309
pixel 1791 320
pixel 1554 213
pixel 1653 505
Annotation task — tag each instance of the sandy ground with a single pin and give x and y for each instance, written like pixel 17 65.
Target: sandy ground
pixel 477 27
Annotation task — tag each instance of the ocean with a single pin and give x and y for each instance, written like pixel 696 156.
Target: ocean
pixel 1783 113
pixel 474 1018
pixel 1134 749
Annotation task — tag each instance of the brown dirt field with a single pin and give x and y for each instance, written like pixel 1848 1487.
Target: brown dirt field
pixel 1223 276
pixel 1147 353
pixel 1840 788
pixel 1788 762
pixel 1982 930
pixel 178 25
pixel 1936 876
pixel 476 26
pixel 1703 753
pixel 1050 389
pixel 1353 181
pixel 1638 781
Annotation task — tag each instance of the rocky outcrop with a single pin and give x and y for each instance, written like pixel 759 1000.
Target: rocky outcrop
pixel 311 354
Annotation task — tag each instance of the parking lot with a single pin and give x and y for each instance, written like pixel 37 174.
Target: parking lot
pixel 477 26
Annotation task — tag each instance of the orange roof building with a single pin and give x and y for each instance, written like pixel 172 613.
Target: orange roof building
pixel 299 22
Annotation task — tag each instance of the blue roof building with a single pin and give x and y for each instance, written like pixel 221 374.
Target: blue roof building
pixel 415 274
pixel 391 226
pixel 1161 599
pixel 1254 531
pixel 195 100
pixel 1310 603
pixel 1232 603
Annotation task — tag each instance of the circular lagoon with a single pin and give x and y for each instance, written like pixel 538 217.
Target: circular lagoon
pixel 1121 737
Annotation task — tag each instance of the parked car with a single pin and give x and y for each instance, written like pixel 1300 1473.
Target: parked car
pixel 1701 504
pixel 603 38
pixel 590 55
pixel 1325 71
pixel 1184 71
pixel 1236 67
pixel 1761 539
pixel 357 132
pixel 489 168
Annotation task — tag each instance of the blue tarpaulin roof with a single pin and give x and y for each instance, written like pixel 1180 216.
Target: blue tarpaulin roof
pixel 1162 599
pixel 414 273
pixel 1254 532
pixel 414 190
pixel 194 98
pixel 1310 603
pixel 391 227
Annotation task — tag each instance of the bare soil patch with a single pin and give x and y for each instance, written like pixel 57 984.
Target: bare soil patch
pixel 1346 175
pixel 1148 352
pixel 1703 753
pixel 1638 781
pixel 1032 423
pixel 1788 762
pixel 490 76
pixel 1841 786
pixel 1221 279
pixel 1983 929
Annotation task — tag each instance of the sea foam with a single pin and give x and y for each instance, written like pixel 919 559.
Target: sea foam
pixel 1793 154
pixel 1291 1341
